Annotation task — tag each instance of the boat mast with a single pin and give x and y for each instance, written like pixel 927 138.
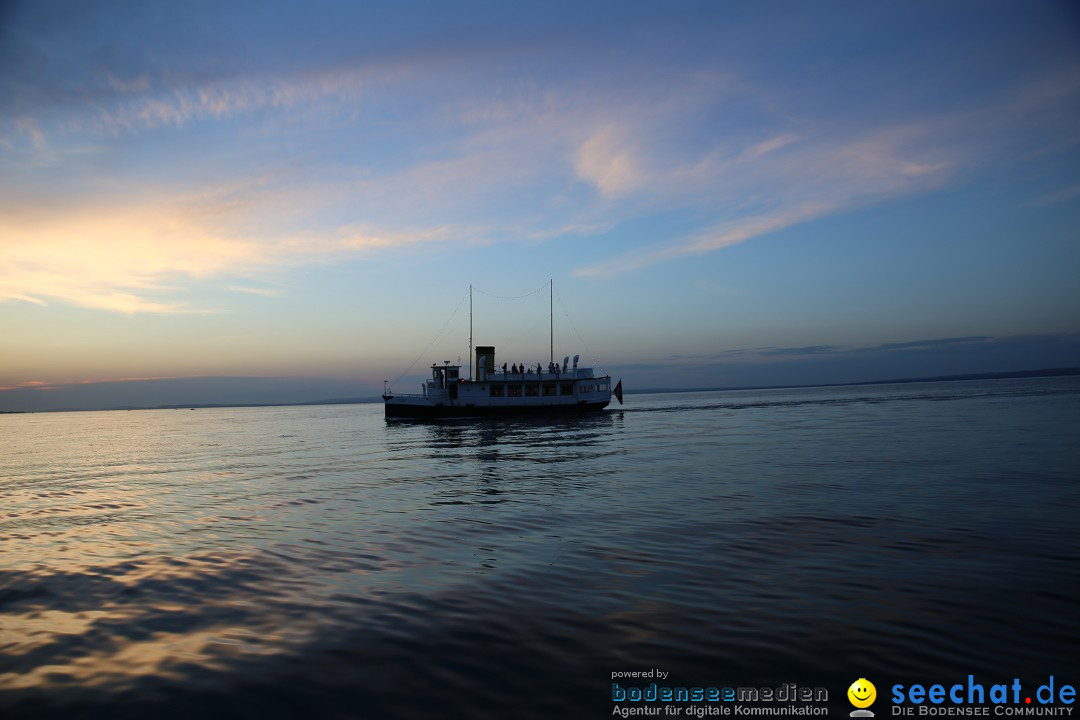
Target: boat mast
pixel 551 309
pixel 470 333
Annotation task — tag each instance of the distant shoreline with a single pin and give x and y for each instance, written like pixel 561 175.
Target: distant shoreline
pixel 1012 375
pixel 1018 374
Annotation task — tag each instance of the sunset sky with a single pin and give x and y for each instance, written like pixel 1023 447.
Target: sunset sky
pixel 298 195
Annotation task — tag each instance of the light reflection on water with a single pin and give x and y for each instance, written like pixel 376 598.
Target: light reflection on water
pixel 277 560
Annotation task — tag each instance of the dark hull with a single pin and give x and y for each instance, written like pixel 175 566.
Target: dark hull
pixel 427 412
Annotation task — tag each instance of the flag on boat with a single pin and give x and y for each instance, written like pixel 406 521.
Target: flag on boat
pixel 618 391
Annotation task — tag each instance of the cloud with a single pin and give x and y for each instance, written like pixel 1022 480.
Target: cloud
pixel 114 259
pixel 797 182
pixel 176 106
pixel 715 238
pixel 500 170
pixel 800 171
pixel 768 146
pixel 1062 195
pixel 925 344
pixel 142 259
pixel 29 128
pixel 799 351
pixel 481 154
pixel 265 292
pixel 607 161
pixel 42 385
pixel 884 348
pixel 30 385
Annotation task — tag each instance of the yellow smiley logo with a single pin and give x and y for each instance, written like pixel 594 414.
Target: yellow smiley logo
pixel 862 693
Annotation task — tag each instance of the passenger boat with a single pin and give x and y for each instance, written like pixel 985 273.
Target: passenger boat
pixel 501 391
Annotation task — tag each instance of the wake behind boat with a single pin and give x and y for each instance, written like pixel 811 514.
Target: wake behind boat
pixel 495 391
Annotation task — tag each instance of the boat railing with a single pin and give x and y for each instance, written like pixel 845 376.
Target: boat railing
pixel 572 374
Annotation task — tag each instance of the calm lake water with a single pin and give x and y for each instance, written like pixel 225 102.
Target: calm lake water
pixel 319 561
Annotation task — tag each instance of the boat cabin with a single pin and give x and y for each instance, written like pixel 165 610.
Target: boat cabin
pixel 446 377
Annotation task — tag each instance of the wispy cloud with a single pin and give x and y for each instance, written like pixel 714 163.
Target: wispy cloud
pixel 142 259
pixel 45 386
pixel 767 146
pixel 811 171
pixel 721 236
pixel 786 181
pixel 31 385
pixel 265 292
pixel 118 261
pixel 1062 195
pixel 883 348
pixel 483 157
pixel 224 99
pixel 607 161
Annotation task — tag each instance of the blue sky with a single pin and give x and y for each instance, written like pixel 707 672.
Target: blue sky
pixel 723 193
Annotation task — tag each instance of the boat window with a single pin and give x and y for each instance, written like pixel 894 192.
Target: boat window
pixel 549 389
pixel 513 391
pixel 497 390
pixel 566 389
pixel 532 390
